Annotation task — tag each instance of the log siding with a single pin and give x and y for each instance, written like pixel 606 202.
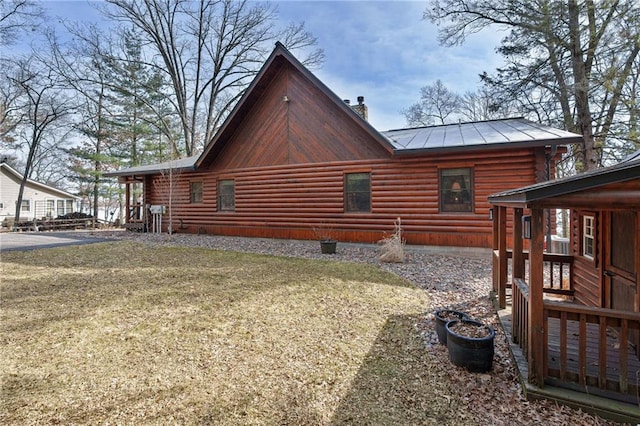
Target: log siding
pixel 288 201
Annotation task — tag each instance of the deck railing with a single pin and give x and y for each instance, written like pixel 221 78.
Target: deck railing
pixel 520 314
pixel 558 274
pixel 592 349
pixel 586 349
pixel 136 213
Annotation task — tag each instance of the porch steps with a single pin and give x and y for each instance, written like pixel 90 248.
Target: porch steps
pixel 603 407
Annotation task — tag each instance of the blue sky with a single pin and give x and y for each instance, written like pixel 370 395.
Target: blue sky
pixel 382 50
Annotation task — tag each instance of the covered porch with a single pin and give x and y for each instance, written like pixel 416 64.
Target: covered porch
pixel 136 216
pixel 567 349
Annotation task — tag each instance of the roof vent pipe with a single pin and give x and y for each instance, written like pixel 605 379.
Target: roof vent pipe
pixel 360 100
pixel 347 101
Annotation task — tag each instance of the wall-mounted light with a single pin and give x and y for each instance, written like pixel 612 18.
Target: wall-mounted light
pixel 526 227
pixel 491 214
pixel 285 98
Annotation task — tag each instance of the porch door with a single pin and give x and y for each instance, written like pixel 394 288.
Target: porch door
pixel 620 263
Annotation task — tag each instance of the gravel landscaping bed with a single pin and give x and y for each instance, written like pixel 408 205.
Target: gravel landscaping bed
pixel 458 282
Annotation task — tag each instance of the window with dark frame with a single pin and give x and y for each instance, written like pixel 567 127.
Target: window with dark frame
pixel 456 190
pixel 358 192
pixel 196 192
pixel 588 236
pixel 226 195
pixel 26 206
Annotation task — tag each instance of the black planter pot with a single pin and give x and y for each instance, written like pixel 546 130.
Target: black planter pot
pixel 442 317
pixel 473 353
pixel 328 246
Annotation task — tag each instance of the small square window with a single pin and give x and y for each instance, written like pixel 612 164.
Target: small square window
pixel 588 236
pixel 196 192
pixel 358 192
pixel 26 206
pixel 226 195
pixel 456 190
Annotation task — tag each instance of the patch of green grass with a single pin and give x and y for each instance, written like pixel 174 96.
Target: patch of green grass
pixel 125 333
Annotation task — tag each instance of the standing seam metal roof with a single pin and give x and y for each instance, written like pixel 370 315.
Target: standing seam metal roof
pixel 477 134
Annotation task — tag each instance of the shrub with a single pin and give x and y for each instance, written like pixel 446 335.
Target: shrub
pixel 392 247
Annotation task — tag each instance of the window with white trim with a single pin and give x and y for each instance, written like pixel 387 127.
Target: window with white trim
pixel 588 236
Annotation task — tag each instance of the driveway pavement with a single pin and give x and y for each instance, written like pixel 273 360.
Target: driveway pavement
pixel 21 241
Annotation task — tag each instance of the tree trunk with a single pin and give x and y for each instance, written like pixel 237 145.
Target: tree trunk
pixel 581 90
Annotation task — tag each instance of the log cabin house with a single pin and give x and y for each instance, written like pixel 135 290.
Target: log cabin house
pixel 574 318
pixel 292 157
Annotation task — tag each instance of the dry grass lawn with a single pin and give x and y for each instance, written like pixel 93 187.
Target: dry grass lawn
pixel 122 333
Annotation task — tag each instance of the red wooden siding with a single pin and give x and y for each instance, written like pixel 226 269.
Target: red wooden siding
pixel 308 128
pixel 587 285
pixel 287 201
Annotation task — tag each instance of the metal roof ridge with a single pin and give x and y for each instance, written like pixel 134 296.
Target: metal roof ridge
pixel 458 123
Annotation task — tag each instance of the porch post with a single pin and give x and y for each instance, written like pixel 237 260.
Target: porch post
pixel 536 338
pixel 517 262
pixel 127 196
pixel 502 257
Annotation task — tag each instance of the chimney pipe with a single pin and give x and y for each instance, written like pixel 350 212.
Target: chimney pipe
pixel 360 100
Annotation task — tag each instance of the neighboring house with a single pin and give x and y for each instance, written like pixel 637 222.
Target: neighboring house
pixel 292 156
pixel 38 200
pixel 588 341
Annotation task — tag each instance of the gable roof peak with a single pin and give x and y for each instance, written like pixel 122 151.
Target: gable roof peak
pixel 279 57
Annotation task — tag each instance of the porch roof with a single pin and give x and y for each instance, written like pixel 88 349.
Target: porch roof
pixel 626 170
pixel 181 164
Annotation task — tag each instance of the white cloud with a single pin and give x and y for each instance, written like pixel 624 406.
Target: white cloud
pixel 386 52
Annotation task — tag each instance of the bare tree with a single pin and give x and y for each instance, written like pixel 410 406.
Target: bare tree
pixel 580 54
pixel 437 104
pixel 43 105
pixel 210 50
pixel 482 105
pixel 10 106
pixel 17 16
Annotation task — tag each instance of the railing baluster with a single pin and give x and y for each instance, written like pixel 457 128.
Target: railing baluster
pixel 545 347
pixel 563 346
pixel 602 355
pixel 582 350
pixel 624 370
